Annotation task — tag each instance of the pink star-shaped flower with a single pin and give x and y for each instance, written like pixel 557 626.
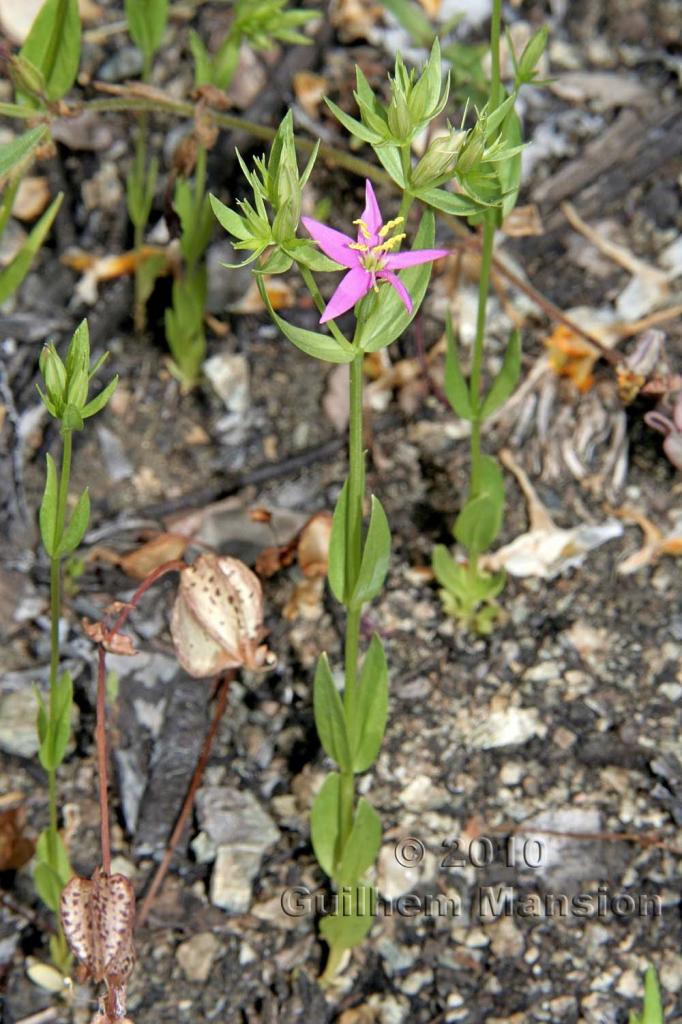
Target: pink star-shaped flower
pixel 369 259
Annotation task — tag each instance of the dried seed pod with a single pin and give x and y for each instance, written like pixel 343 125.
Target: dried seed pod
pixel 97 916
pixel 217 619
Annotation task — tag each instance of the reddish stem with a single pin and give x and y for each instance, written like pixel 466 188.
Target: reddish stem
pixel 101 741
pixel 175 566
pixel 161 871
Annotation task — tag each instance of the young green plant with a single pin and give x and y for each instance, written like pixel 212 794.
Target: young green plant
pixel 147 25
pixel 385 286
pixel 469 592
pixel 652 1011
pixel 261 23
pixel 65 395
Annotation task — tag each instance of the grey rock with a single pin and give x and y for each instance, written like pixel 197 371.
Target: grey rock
pixel 126 63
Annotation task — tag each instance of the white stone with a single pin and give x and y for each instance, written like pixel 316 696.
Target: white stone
pixel 229 377
pixel 506 728
pixel 196 956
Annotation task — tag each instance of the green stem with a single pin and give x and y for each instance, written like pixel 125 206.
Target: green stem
pixel 495 79
pixel 477 359
pixel 55 613
pixel 356 487
pixel 311 284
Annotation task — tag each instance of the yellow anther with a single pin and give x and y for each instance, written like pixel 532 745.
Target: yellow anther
pixel 363 228
pixel 358 246
pixel 389 225
pixel 389 244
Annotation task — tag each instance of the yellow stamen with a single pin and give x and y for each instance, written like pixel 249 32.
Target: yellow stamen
pixel 363 228
pixel 358 246
pixel 389 225
pixel 389 244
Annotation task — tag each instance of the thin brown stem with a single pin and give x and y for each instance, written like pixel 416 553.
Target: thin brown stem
pixel 175 566
pixel 162 870
pixel 101 742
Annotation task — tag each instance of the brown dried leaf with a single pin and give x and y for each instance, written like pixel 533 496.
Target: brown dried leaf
pixel 306 600
pixel 523 221
pixel 15 849
pixel 99 634
pixel 167 547
pixel 310 90
pixel 313 545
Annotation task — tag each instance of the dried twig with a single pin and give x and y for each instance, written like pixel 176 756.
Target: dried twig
pixel 161 871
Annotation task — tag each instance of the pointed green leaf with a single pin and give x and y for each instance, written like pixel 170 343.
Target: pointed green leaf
pixel 362 846
pixel 48 509
pixel 41 721
pixel 336 563
pixel 147 23
pixel 54 44
pixel 330 720
pixel 320 346
pixel 449 573
pixel 13 274
pixel 376 555
pixel 355 128
pixel 47 885
pixel 507 378
pixel 53 747
pixel 456 387
pixel 479 522
pixel 230 220
pixel 15 155
pixel 99 401
pixel 372 707
pixel 278 262
pixel 653 1006
pixel 389 156
pixel 324 822
pixel 449 202
pixel 78 524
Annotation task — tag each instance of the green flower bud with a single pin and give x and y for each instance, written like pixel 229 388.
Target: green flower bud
pixel 439 162
pixel 472 153
pixel 78 352
pixel 77 394
pixel 26 76
pixel 399 120
pixel 54 374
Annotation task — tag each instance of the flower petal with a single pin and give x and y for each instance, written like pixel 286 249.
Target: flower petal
pixel 399 260
pixel 356 283
pixel 402 291
pixel 332 243
pixel 371 216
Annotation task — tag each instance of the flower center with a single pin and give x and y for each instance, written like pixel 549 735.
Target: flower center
pixel 374 256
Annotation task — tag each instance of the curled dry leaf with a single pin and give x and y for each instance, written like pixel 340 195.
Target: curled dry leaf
pixel 119 643
pixel 217 619
pixel 97 916
pixel 546 550
pixel 313 545
pixel 167 547
pixel 655 543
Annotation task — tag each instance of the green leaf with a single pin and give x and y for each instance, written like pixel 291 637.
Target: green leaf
pixel 324 822
pixel 507 378
pixel 320 346
pixel 12 275
pixel 653 1007
pixel 412 18
pixel 60 861
pixel 48 509
pixel 336 563
pixel 228 219
pixel 17 154
pixel 54 45
pixel 147 23
pixel 456 387
pixel 278 262
pixel 47 885
pixel 389 318
pixel 449 573
pixel 509 171
pixel 72 418
pixel 330 720
pixel 100 400
pixel 42 715
pixel 376 555
pixel 353 921
pixel 372 707
pixel 356 128
pixel 78 524
pixel 479 522
pixel 362 846
pixel 389 156
pixel 53 747
pixel 449 202
pixel 78 353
